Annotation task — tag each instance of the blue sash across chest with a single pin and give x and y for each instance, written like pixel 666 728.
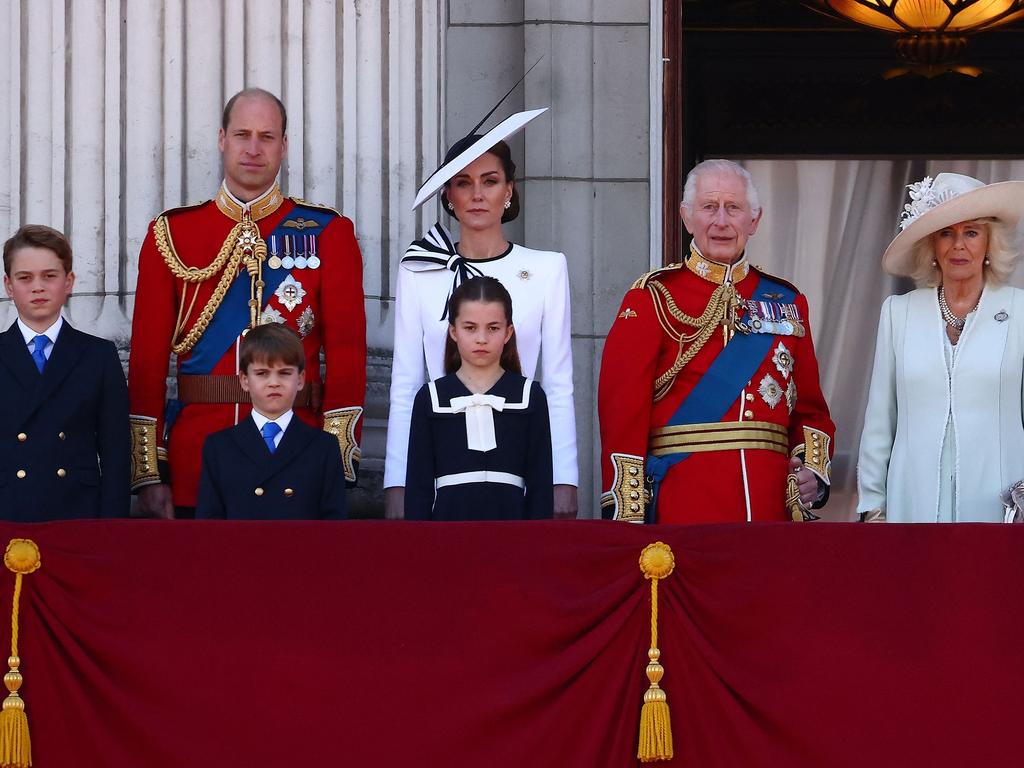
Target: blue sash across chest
pixel 233 314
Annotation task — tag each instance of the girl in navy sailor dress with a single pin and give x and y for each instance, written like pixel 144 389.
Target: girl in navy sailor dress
pixel 480 437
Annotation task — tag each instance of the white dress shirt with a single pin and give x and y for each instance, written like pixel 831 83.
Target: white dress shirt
pixel 50 333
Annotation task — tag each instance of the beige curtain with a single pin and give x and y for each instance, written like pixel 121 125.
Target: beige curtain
pixel 825 226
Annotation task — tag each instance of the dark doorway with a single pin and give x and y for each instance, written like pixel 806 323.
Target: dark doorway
pixel 772 78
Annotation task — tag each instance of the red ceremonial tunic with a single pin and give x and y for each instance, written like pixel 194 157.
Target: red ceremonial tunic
pixel 726 484
pixel 329 316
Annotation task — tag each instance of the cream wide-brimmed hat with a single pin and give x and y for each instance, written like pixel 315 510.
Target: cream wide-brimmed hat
pixel 948 199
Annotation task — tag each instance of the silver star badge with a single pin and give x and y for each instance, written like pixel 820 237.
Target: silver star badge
pixel 290 293
pixel 770 391
pixel 783 360
pixel 271 315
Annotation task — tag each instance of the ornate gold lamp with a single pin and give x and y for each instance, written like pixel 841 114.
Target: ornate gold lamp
pixel 929 31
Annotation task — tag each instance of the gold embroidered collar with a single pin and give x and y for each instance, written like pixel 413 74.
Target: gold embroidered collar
pixel 260 208
pixel 713 271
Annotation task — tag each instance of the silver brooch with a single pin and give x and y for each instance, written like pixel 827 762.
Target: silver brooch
pixel 523 275
pixel 1002 316
pixel 306 322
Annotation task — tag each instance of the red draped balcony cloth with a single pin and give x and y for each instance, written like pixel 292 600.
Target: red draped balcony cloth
pixel 172 644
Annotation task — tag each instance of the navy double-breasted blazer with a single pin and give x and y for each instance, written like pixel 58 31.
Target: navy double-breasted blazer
pixel 242 480
pixel 64 435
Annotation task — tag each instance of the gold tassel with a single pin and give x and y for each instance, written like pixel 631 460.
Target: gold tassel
pixel 656 562
pixel 21 557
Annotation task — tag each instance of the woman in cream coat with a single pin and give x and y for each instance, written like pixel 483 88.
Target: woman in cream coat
pixel 943 431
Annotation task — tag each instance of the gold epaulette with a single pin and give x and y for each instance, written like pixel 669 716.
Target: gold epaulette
pixel 641 282
pixel 317 206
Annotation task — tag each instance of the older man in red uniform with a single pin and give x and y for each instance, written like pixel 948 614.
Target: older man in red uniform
pixel 209 272
pixel 710 404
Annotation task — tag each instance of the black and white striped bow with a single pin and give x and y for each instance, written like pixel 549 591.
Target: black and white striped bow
pixel 435 250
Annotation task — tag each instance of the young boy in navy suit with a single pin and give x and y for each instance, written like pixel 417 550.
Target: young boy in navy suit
pixel 272 466
pixel 64 440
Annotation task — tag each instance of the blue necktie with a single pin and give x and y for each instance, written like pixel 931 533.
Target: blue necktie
pixel 37 353
pixel 269 432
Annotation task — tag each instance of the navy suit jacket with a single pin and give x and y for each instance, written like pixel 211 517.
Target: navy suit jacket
pixel 242 480
pixel 64 437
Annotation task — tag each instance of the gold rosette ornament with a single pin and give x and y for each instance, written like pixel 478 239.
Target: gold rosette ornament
pixel 656 562
pixel 21 557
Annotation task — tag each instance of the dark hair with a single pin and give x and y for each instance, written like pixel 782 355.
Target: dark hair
pixel 488 290
pixel 37 236
pixel 271 343
pixel 254 93
pixel 504 154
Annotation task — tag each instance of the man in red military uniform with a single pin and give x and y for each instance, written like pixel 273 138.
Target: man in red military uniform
pixel 209 272
pixel 710 404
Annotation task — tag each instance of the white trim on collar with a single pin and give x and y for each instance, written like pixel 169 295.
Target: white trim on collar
pixel 436 406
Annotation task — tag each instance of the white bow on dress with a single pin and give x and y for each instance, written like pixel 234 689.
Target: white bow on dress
pixel 479 410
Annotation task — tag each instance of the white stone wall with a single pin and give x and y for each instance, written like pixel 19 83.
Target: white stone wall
pixel 111 110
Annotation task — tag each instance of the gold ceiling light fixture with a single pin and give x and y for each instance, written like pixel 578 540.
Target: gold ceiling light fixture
pixel 929 32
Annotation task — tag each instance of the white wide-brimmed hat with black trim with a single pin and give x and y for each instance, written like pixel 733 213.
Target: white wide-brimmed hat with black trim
pixel 946 200
pixel 469 148
pixel 474 145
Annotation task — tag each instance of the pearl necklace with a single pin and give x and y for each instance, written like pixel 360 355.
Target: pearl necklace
pixel 954 322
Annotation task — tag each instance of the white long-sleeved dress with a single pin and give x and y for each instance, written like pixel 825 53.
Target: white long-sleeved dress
pixel 943 431
pixel 538 282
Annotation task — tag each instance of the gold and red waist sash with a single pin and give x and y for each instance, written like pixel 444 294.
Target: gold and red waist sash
pixel 718 436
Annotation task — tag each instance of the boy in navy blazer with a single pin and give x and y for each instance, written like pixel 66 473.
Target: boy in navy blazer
pixel 64 440
pixel 271 466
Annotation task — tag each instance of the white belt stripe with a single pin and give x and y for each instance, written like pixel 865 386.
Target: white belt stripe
pixel 482 476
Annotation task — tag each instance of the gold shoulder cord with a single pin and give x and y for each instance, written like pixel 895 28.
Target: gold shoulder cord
pixel 243 244
pixel 720 311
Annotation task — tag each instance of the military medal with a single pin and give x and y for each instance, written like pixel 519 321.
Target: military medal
pixel 313 262
pixel 274 262
pixel 300 256
pixel 287 262
pixel 773 317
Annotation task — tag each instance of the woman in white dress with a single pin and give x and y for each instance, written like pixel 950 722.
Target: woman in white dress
pixel 477 186
pixel 943 431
